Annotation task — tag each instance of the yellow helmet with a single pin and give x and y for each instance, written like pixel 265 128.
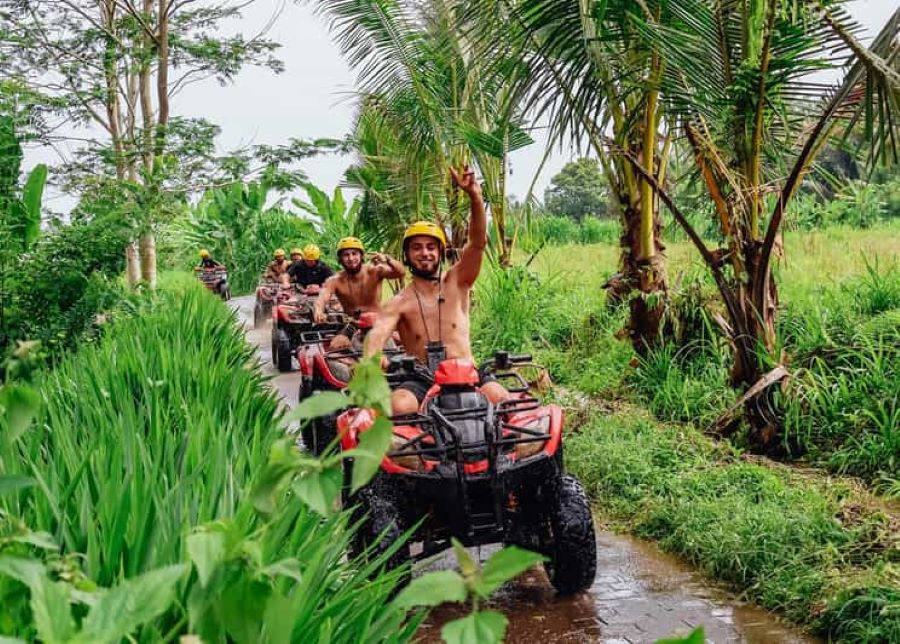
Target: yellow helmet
pixel 350 243
pixel 279 253
pixel 427 228
pixel 311 252
pixel 296 251
pixel 204 253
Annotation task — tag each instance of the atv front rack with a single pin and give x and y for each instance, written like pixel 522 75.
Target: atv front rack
pixel 439 425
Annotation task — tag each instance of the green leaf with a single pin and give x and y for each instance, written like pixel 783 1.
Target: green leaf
pixel 321 404
pixel 368 387
pixel 466 564
pixel 289 567
pixel 19 405
pixel 50 608
pixel 27 571
pixel 485 627
pixel 284 460
pixel 373 445
pixel 11 640
pixel 278 620
pixel 503 566
pixel 433 589
pixel 32 194
pixel 14 483
pixel 319 490
pixel 41 540
pixel 206 550
pixel 133 602
pixel 697 636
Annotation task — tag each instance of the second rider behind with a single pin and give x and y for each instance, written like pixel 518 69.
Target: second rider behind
pixel 311 270
pixel 358 285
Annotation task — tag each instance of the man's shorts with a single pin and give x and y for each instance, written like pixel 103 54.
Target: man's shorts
pixel 419 389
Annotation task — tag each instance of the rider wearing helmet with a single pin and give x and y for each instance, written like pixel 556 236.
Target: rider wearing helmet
pixel 435 306
pixel 358 285
pixel 207 262
pixel 276 271
pixel 311 270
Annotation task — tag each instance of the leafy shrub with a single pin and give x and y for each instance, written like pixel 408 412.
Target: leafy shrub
pixel 144 453
pixel 65 281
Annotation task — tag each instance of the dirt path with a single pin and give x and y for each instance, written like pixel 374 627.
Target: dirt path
pixel 640 594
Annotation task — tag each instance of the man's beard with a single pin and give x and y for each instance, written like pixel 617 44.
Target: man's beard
pixel 352 270
pixel 425 274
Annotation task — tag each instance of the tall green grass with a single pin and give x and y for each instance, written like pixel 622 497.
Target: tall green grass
pixel 790 545
pixel 160 430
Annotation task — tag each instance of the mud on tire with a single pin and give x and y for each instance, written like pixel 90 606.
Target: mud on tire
pixel 381 527
pixel 573 554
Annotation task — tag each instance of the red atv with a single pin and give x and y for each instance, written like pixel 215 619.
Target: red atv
pixel 216 280
pixel 293 316
pixel 267 293
pixel 476 471
pixel 326 369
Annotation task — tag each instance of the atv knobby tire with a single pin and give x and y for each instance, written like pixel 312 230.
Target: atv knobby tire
pixel 283 355
pixel 381 526
pixel 258 315
pixel 573 554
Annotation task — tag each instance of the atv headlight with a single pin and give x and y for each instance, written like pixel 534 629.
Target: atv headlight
pixel 540 424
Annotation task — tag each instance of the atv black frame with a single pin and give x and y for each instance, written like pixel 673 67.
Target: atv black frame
pixel 530 502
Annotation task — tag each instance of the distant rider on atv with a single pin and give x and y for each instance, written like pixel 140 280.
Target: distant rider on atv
pixel 276 271
pixel 435 306
pixel 357 286
pixel 311 270
pixel 207 262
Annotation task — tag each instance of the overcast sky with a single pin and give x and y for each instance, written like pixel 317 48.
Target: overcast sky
pixel 313 97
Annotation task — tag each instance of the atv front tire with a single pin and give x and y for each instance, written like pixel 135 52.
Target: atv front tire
pixel 283 356
pixel 381 526
pixel 573 553
pixel 258 315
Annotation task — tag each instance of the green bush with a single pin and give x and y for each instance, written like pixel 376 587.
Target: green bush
pixel 144 455
pixel 774 538
pixel 68 277
pixel 595 231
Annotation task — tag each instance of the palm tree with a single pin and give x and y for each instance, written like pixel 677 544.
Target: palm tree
pixel 589 72
pixel 738 81
pixel 422 87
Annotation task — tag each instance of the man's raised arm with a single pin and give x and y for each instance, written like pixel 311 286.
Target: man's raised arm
pixel 469 265
pixel 388 267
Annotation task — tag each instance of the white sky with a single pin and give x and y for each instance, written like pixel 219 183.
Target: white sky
pixel 313 97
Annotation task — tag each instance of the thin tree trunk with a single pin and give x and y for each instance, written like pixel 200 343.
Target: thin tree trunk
pixel 147 245
pixel 132 265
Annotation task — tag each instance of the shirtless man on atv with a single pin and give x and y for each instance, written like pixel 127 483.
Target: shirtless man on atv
pixel 358 285
pixel 435 306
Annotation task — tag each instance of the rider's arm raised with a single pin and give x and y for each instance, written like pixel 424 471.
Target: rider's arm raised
pixel 383 328
pixel 469 265
pixel 390 269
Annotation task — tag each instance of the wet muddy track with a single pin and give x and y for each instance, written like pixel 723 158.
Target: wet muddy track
pixel 640 594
